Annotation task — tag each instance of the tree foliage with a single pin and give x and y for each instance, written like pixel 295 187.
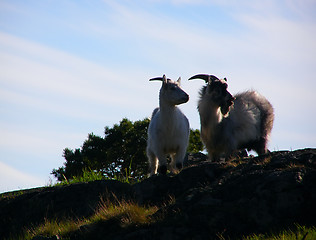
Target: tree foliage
pixel 120 153
pixel 195 143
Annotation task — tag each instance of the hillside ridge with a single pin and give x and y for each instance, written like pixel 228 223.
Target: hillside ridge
pixel 241 196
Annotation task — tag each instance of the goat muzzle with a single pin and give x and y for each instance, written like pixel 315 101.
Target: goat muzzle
pixel 231 100
pixel 186 98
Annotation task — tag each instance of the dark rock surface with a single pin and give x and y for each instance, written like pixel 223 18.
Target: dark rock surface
pixel 250 195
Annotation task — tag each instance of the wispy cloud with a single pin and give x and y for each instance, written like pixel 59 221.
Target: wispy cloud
pixel 50 74
pixel 13 179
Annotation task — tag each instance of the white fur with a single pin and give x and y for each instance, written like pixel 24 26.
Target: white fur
pixel 247 124
pixel 168 132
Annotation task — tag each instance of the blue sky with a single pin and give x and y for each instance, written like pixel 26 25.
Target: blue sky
pixel 69 68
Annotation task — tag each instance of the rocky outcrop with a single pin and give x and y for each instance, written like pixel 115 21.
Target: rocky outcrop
pixel 243 196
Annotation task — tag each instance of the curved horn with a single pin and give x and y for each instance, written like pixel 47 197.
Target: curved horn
pixel 207 78
pixel 156 79
pixel 159 78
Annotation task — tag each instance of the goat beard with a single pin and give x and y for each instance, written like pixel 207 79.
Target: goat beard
pixel 226 107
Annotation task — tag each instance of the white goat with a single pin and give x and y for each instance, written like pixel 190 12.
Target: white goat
pixel 232 123
pixel 168 131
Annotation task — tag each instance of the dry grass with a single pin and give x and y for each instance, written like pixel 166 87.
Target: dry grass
pixel 299 233
pixel 126 212
pixel 263 160
pixel 53 228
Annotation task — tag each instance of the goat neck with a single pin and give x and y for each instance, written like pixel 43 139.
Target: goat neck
pixel 210 114
pixel 166 109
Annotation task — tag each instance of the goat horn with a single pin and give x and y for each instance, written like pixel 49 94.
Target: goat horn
pixel 158 79
pixel 207 78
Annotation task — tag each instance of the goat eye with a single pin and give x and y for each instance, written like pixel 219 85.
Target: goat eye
pixel 173 88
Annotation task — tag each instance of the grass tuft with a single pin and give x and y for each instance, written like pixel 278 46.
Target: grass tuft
pixel 127 213
pixel 298 233
pixel 54 228
pixel 89 175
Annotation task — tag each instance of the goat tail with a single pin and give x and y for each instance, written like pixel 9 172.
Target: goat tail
pixel 266 115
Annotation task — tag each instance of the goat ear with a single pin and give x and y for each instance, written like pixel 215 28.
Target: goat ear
pixel 179 80
pixel 164 79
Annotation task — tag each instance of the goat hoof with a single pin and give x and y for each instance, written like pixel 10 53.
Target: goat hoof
pixel 179 166
pixel 163 169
